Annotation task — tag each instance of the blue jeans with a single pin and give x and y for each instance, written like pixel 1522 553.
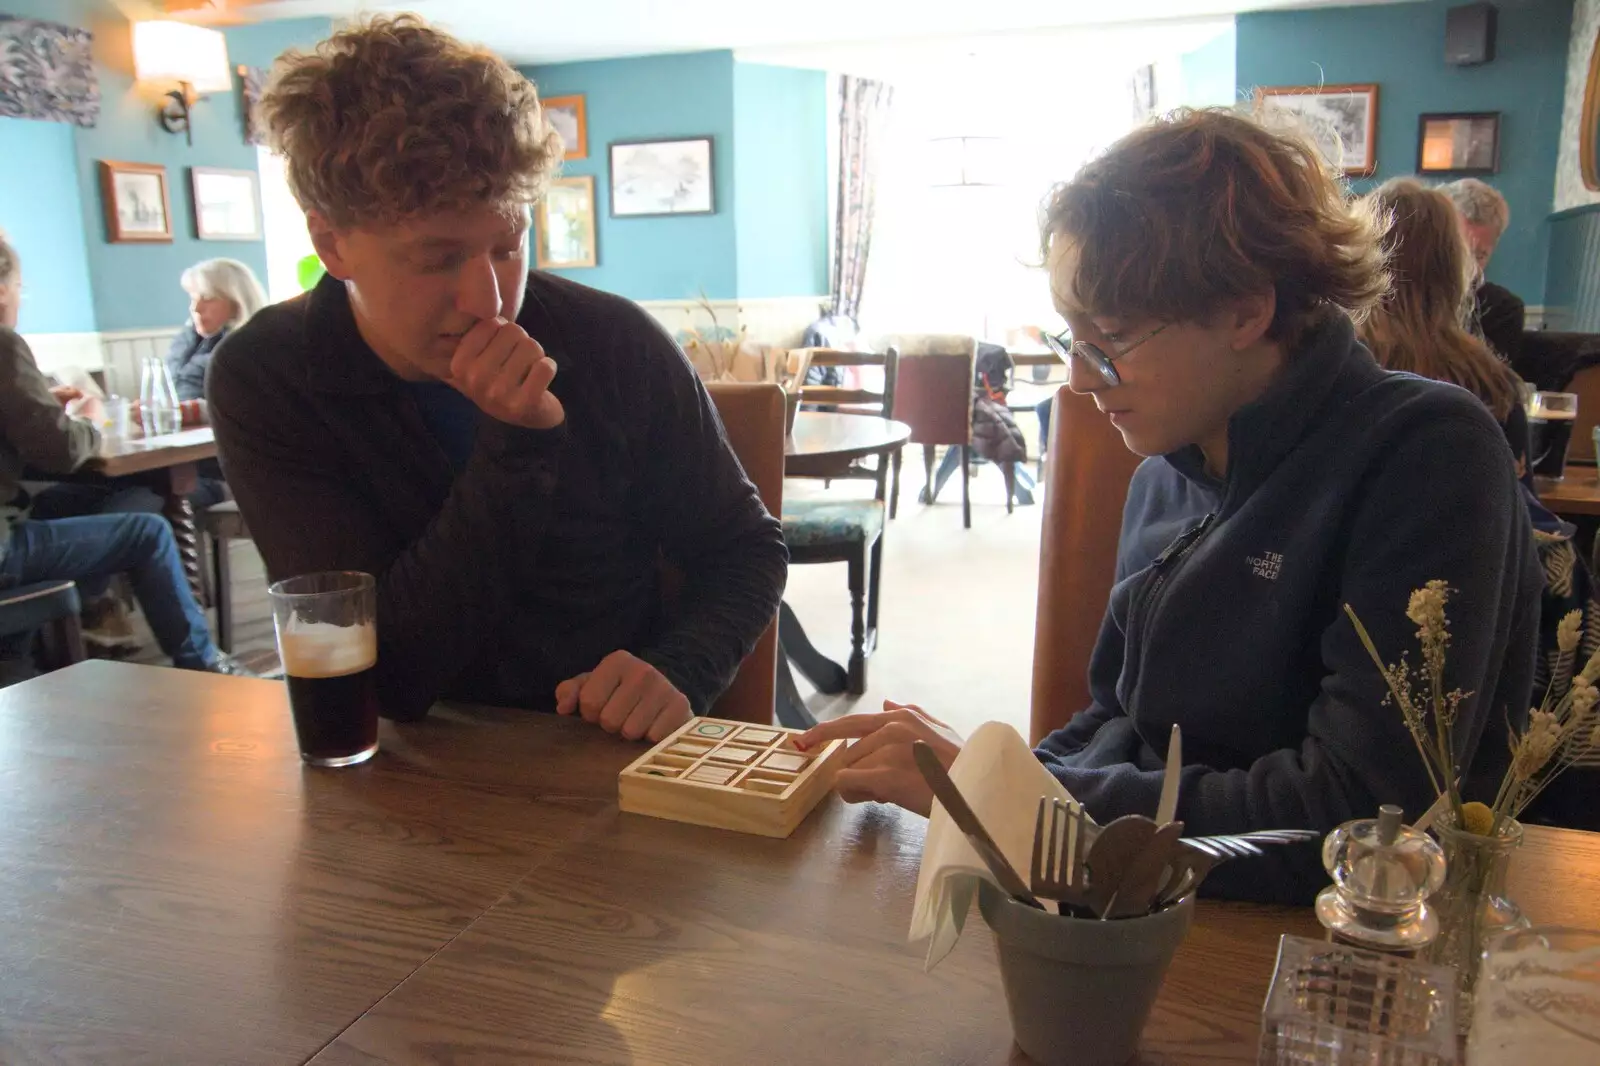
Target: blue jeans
pixel 93 548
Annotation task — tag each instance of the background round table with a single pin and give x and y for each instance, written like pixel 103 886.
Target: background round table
pixel 822 441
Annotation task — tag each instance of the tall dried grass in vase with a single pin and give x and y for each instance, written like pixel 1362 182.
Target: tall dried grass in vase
pixel 1479 838
pixel 719 344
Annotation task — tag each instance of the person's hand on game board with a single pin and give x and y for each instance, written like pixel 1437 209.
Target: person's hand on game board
pixel 878 765
pixel 625 695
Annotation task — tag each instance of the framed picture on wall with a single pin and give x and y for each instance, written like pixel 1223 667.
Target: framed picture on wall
pixel 661 178
pixel 567 115
pixel 227 204
pixel 563 225
pixel 1459 142
pixel 135 199
pixel 1342 120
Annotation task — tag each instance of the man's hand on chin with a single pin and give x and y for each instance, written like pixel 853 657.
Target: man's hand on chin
pixel 625 695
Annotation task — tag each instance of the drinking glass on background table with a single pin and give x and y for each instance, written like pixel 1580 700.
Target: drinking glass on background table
pixel 1551 416
pixel 327 628
pixel 119 418
pixel 1538 1000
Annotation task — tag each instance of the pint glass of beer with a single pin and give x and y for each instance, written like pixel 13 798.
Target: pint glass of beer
pixel 327 628
pixel 1551 417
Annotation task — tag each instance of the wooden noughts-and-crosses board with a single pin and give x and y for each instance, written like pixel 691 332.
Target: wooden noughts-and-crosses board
pixel 729 775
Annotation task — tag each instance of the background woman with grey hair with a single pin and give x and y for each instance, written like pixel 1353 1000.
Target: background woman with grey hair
pixel 223 294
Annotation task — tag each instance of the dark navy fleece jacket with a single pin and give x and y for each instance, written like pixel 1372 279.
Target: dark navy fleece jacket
pixel 1346 483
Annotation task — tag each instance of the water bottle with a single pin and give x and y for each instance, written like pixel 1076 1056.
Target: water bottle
pixel 158 399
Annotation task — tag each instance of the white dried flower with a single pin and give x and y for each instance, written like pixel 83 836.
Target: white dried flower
pixel 1427 610
pixel 1591 670
pixel 1569 631
pixel 1536 746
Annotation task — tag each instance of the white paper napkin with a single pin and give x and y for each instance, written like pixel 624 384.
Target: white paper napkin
pixel 1001 780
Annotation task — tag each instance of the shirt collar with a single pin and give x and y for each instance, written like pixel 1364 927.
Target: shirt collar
pixel 1263 432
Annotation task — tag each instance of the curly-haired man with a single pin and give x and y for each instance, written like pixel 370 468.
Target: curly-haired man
pixel 406 417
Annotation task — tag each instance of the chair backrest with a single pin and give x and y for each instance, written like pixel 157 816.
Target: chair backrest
pixel 933 394
pixel 753 416
pixel 1087 485
pixel 875 401
pixel 1586 383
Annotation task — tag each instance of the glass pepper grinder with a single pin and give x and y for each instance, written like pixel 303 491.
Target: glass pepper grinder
pixel 1383 873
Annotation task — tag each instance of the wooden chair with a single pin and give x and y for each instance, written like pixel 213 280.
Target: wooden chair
pixel 1087 485
pixel 51 608
pixel 933 395
pixel 821 530
pixel 1586 383
pixel 752 414
pixel 221 523
pixel 849 400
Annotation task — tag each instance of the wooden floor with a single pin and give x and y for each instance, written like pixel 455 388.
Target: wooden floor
pixel 956 627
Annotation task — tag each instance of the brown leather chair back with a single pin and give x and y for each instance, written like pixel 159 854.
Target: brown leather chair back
pixel 933 395
pixel 753 416
pixel 1087 485
pixel 1586 383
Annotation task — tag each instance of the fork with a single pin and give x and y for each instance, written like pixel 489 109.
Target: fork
pixel 1191 865
pixel 1243 845
pixel 1058 853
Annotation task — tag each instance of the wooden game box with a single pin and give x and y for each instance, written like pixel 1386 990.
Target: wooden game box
pixel 729 775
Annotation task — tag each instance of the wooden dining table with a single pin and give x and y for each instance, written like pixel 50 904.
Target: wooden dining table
pixel 169 465
pixel 176 889
pixel 1577 494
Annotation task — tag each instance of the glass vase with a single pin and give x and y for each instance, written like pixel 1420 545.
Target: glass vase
pixel 1472 906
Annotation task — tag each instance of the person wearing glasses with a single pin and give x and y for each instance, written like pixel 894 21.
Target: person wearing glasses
pixel 1211 273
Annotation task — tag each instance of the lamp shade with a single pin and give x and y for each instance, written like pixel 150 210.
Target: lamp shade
pixel 177 51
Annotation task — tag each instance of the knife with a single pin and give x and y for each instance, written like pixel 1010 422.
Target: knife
pixel 1167 806
pixel 945 791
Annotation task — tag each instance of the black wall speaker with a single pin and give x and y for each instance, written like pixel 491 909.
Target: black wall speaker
pixel 1469 34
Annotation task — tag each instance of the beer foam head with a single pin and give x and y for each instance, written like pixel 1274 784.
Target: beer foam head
pixel 322 649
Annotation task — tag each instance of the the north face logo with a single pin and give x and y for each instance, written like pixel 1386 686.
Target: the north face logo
pixel 1267 565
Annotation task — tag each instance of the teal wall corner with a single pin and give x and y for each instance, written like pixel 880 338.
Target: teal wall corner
pixel 655 97
pixel 781 170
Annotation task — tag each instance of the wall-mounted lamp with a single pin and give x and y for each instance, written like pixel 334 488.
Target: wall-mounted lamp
pixel 193 56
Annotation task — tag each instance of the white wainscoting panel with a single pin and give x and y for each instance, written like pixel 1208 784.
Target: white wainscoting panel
pixel 125 351
pixel 780 321
pixel 62 353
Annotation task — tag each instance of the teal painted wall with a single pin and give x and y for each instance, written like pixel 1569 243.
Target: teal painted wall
pixel 1401 48
pixel 780 164
pixel 43 218
pixel 133 286
pixel 1209 72
pixel 667 96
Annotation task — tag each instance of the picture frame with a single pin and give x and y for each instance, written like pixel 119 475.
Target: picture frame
pixel 137 207
pixel 1458 142
pixel 1341 119
pixel 564 227
pixel 227 204
pixel 570 119
pixel 662 176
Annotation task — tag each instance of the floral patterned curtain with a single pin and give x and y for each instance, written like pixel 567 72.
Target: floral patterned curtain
pixel 863 111
pixel 46 72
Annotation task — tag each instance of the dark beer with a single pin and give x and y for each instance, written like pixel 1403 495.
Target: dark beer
pixel 1549 433
pixel 333 691
pixel 336 718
